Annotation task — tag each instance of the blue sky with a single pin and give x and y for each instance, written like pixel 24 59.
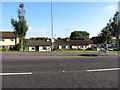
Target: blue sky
pixel 68 16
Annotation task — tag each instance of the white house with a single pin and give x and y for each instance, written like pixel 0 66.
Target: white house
pixel 45 45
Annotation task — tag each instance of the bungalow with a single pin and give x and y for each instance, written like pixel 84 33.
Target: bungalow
pixel 8 40
pixel 45 45
pixel 39 45
pixel 73 44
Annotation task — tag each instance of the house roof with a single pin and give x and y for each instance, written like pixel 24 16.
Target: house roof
pixel 80 42
pixel 7 35
pixel 61 42
pixel 39 43
pixel 96 40
pixel 58 42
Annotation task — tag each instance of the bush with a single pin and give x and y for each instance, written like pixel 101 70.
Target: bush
pixel 3 49
pixel 18 46
pixel 88 49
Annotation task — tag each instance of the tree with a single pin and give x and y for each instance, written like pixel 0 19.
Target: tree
pixel 79 35
pixel 20 27
pixel 114 27
pixel 105 35
pixel 59 38
pixel 38 38
pixel 25 44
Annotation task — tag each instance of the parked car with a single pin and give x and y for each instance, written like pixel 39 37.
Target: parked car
pixel 112 49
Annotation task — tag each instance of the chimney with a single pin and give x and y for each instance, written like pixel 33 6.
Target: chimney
pixel 47 39
pixel 67 39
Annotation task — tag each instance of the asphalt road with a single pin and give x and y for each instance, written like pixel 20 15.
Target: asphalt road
pixel 60 71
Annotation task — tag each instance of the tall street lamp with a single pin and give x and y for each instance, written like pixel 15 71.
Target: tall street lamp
pixel 52 29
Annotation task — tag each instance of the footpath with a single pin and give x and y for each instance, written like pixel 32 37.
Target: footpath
pixel 59 54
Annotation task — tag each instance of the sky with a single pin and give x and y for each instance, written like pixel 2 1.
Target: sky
pixel 67 17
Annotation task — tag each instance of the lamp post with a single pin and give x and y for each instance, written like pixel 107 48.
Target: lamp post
pixel 52 38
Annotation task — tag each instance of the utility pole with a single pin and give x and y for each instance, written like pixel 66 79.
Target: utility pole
pixel 52 38
pixel 118 24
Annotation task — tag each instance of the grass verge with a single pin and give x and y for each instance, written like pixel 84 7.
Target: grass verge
pixel 76 51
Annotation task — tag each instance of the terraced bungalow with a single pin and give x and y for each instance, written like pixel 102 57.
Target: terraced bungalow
pixel 67 44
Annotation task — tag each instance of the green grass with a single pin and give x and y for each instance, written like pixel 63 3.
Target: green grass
pixel 88 51
pixel 78 51
pixel 113 51
pixel 75 51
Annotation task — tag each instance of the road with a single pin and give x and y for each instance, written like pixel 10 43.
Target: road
pixel 59 71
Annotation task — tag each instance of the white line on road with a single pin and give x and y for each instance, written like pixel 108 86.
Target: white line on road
pixel 110 69
pixel 28 73
pixel 25 73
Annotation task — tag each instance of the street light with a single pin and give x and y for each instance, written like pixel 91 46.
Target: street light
pixel 52 38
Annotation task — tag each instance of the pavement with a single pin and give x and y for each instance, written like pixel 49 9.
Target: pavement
pixel 59 54
pixel 40 71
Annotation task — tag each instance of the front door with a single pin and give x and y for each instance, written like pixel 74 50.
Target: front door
pixel 37 48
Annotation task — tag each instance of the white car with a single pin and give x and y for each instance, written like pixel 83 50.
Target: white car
pixel 112 49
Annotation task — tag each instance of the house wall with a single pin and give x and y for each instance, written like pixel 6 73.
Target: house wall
pixel 44 48
pixel 65 47
pixel 81 47
pixel 31 48
pixel 41 48
pixel 17 41
pixel 7 42
pixel 48 48
pixel 75 47
pixel 60 47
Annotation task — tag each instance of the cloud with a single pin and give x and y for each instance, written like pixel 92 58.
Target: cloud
pixel 110 8
pixel 33 32
pixel 29 27
pixel 67 29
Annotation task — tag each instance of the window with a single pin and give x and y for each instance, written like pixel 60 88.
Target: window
pixel 11 39
pixel 33 48
pixel 2 39
pixel 44 47
pixel 63 47
pixel 1 47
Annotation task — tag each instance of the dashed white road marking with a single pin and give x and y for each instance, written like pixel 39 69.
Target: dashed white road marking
pixel 25 73
pixel 28 73
pixel 98 70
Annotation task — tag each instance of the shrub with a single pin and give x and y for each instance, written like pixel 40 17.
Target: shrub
pixel 3 49
pixel 18 46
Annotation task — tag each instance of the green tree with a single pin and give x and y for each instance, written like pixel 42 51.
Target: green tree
pixel 32 38
pixel 59 38
pixel 25 44
pixel 79 35
pixel 20 27
pixel 105 35
pixel 114 26
pixel 38 38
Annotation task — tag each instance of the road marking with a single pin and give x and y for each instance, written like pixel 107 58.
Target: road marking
pixel 110 69
pixel 25 73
